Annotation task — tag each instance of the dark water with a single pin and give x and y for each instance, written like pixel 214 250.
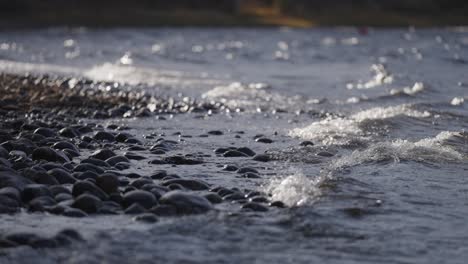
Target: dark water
pixel 389 107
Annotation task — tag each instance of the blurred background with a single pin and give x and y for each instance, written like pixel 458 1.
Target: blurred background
pixel 295 13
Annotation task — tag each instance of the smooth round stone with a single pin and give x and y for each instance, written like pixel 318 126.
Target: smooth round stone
pixel 278 204
pixel 135 209
pixel 134 156
pixel 84 167
pixel 258 199
pixel 186 203
pixel 234 153
pixel 325 154
pixel 102 135
pixel 251 175
pixel 191 184
pixel 22 238
pixel 44 243
pixel 141 182
pixel 108 182
pixel 69 132
pixel 213 198
pixel 146 218
pixel 133 141
pixel 306 143
pixel 39 204
pixel 11 193
pixel 63 197
pixel 164 210
pixel 215 132
pixel 262 158
pixel 235 196
pixel 45 132
pixel 65 145
pixel 85 175
pixel 62 176
pixel 97 162
pixel 3 152
pixel 87 203
pixel 230 168
pixel 143 198
pixel 180 160
pixel 82 187
pixel 247 151
pixel 49 154
pixel 255 207
pixel 40 176
pixel 5 162
pixel 264 140
pixel 158 174
pixel 121 137
pixel 116 159
pixel 71 153
pixel 122 165
pixel 8 205
pixel 103 154
pixel 32 191
pixel 246 169
pixel 74 212
pixel 56 189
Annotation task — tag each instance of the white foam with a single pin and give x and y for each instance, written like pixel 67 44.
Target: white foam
pixel 457 101
pixel 137 75
pixel 244 95
pixel 294 190
pixel 424 150
pixel 381 77
pixel 332 129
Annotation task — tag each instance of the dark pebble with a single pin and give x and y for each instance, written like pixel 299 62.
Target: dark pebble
pixel 135 209
pixel 134 156
pixel 116 159
pixel 49 154
pixel 82 187
pixel 230 168
pixel 45 132
pixel 247 169
pixel 306 143
pixel 74 212
pixel 146 218
pixel 186 203
pixel 213 198
pixel 192 184
pixel 180 160
pixel 102 135
pixel 264 140
pixel 255 207
pixel 32 191
pixel 262 158
pixel 143 198
pixel 103 154
pixel 109 183
pixel 62 176
pixel 234 153
pixel 247 151
pixel 215 132
pixel 87 203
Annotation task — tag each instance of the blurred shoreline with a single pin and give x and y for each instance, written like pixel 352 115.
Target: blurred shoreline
pixel 29 14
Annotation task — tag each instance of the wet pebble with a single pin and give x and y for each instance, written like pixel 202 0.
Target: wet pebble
pixel 143 198
pixel 191 184
pixel 255 207
pixel 87 203
pixel 186 203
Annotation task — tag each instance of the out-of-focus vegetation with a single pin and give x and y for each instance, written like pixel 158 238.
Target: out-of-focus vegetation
pixel 300 13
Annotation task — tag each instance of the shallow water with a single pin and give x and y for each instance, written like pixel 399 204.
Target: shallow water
pixel 390 107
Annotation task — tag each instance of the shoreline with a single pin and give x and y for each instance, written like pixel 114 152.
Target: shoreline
pixel 208 18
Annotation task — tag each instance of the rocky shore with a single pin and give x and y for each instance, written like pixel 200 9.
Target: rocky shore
pixel 57 158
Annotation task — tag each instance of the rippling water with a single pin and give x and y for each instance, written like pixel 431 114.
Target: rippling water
pixel 387 178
